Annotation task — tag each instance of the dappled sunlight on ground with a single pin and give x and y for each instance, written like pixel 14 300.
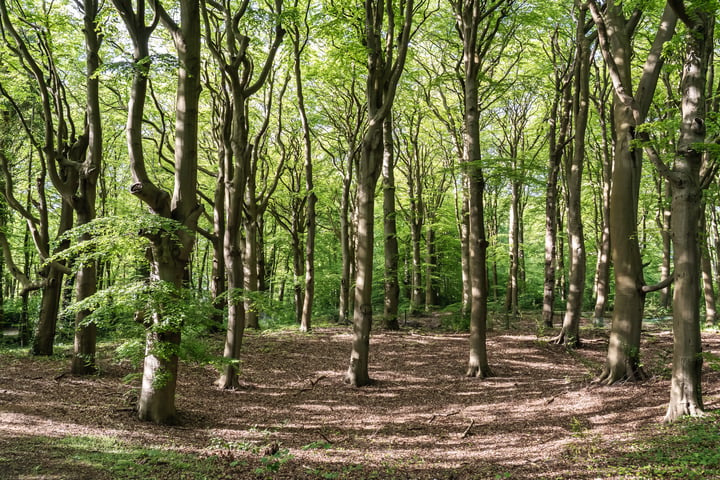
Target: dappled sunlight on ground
pixel 420 418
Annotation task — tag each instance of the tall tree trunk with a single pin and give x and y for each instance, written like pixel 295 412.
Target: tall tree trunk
pixel 570 332
pixel 614 33
pixel 464 230
pixel 512 291
pixel 170 250
pixel 382 82
pixel 469 15
pixel 83 361
pixel 602 269
pixel 431 260
pixel 346 251
pixel 685 388
pixel 250 259
pixel 311 198
pixel 392 256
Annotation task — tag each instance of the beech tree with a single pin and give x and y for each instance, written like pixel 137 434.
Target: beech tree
pixel 570 332
pixel 478 22
pixel 171 243
pixel 630 106
pixel 61 150
pixel 230 49
pixel 685 389
pixel 387 42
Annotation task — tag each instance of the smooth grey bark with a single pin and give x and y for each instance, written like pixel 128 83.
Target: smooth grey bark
pixel 229 48
pixel 570 332
pixel 477 23
pixel 558 134
pixel 299 44
pixel 685 388
pixel 84 199
pixel 392 255
pixel 629 111
pixel 602 267
pixel 386 54
pixel 169 251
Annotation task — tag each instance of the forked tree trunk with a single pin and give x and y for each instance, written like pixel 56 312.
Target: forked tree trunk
pixel 614 34
pixel 685 388
pixel 83 361
pixel 382 82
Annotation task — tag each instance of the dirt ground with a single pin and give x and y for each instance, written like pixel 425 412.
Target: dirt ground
pixel 541 416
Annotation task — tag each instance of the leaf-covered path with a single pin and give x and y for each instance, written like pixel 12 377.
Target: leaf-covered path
pixel 540 417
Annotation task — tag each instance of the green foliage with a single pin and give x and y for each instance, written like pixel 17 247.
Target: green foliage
pixel 108 457
pixel 272 463
pixel 684 450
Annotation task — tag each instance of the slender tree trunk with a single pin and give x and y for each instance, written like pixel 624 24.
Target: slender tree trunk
pixel 464 230
pixel 83 361
pixel 346 252
pixel 430 265
pixel 570 333
pixel 602 276
pixel 311 197
pixel 666 235
pixel 511 294
pixel 250 272
pixel 706 267
pixel 392 256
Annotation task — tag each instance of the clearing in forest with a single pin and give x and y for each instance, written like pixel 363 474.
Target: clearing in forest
pixel 541 417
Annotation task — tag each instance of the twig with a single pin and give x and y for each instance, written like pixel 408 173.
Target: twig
pixel 435 415
pixel 312 385
pixel 466 433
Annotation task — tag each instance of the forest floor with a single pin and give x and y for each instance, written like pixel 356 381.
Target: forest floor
pixel 540 417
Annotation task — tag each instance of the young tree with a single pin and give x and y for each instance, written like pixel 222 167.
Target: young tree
pixel 558 135
pixel 387 42
pixel 478 21
pixel 570 332
pixel 299 34
pixel 230 49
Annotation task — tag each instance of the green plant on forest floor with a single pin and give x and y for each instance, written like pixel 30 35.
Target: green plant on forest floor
pixel 684 450
pixel 103 458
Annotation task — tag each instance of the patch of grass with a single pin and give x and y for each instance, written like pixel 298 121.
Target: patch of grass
pixel 105 458
pixel 687 449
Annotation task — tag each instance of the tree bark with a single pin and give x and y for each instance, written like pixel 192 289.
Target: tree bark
pixel 706 267
pixel 392 255
pixel 469 16
pixel 570 332
pixel 383 78
pixel 685 388
pixel 83 361
pixel 629 111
